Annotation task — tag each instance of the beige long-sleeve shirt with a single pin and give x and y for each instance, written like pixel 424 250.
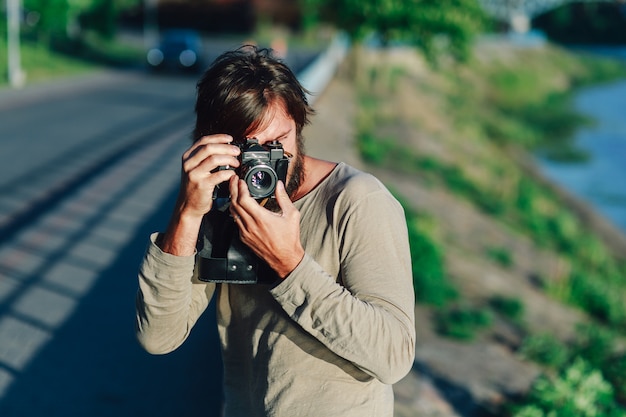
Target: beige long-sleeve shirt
pixel 331 338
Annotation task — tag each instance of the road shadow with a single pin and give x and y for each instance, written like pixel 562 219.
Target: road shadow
pixel 93 365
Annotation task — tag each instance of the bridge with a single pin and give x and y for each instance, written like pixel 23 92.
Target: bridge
pixel 519 13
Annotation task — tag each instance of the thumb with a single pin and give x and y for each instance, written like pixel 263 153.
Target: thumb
pixel 282 198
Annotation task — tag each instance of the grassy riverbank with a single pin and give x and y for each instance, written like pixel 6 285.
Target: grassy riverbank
pixel 455 136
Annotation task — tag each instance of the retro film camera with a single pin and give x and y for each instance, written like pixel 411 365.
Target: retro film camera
pixel 221 256
pixel 262 166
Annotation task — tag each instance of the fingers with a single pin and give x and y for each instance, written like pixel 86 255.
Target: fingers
pixel 282 198
pixel 207 140
pixel 199 175
pixel 243 207
pixel 289 211
pixel 210 152
pixel 246 208
pixel 241 201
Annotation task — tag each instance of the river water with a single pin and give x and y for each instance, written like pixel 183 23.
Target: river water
pixel 601 181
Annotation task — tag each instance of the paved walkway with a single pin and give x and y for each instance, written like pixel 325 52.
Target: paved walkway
pixel 52 263
pixel 67 285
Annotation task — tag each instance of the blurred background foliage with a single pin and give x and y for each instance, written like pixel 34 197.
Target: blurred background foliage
pixel 50 20
pixel 85 28
pixel 435 26
pixel 91 29
pixel 585 23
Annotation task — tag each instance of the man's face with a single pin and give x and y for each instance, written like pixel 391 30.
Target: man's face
pixel 278 125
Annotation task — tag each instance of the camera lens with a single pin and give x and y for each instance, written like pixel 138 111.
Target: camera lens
pixel 261 181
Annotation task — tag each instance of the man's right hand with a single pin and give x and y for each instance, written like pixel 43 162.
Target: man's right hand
pixel 199 177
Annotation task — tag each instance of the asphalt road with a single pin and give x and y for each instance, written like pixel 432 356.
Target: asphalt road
pixel 89 167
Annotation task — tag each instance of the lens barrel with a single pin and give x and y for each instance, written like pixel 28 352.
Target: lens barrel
pixel 260 178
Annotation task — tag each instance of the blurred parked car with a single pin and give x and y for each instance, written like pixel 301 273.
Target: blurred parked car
pixel 178 49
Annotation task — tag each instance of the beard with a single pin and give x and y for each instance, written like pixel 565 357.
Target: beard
pixel 297 175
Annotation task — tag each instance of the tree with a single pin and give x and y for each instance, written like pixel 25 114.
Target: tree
pixel 65 19
pixel 48 18
pixel 435 26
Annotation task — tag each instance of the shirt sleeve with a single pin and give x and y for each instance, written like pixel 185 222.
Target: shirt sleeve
pixel 368 316
pixel 169 300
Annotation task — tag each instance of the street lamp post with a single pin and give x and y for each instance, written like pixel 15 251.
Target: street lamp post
pixel 150 22
pixel 16 74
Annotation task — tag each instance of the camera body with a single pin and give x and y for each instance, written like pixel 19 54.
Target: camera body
pixel 262 166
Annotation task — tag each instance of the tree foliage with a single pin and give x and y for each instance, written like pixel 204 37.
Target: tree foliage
pixel 585 23
pixel 54 19
pixel 435 26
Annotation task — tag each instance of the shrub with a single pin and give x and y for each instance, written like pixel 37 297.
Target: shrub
pixel 461 321
pixel 601 299
pixel 615 372
pixel 512 308
pixel 372 150
pixel 544 349
pixel 429 277
pixel 579 391
pixel 594 343
pixel 502 256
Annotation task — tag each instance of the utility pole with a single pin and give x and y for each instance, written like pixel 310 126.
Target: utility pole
pixel 150 23
pixel 17 77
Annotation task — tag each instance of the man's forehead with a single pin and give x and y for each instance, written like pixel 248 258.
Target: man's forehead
pixel 275 121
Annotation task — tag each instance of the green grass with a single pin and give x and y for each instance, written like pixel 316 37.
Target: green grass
pixel 529 105
pixel 40 62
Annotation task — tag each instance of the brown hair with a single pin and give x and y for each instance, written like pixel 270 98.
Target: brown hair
pixel 236 91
